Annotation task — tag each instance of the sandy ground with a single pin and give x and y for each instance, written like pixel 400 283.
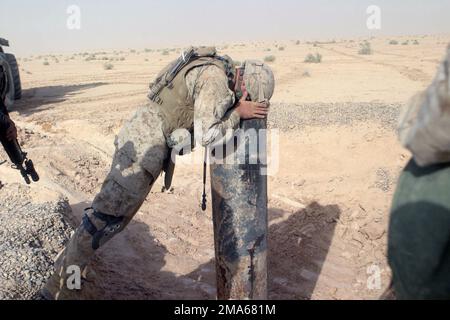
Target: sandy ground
pixel 329 201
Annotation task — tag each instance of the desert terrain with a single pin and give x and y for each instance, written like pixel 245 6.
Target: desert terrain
pixel 328 203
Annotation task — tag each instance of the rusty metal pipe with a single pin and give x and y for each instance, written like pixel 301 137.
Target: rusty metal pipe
pixel 239 200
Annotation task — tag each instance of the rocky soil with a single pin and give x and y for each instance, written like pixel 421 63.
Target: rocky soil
pixel 31 235
pixel 290 116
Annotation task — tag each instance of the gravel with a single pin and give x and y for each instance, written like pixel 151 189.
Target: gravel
pixel 31 235
pixel 285 116
pixel 384 181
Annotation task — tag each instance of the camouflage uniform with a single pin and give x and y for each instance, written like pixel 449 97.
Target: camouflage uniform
pixel 419 230
pixel 425 124
pixel 141 149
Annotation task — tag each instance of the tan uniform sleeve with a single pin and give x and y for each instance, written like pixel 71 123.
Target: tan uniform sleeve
pixel 213 103
pixel 424 126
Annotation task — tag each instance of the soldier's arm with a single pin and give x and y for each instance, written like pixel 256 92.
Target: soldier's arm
pixel 214 101
pixel 7 126
pixel 425 124
pixel 4 118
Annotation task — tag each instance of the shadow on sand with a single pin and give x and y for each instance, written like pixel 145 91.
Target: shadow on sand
pixel 298 247
pixel 37 99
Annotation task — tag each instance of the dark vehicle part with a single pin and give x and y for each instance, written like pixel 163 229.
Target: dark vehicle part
pixel 11 59
pixel 12 62
pixel 4 43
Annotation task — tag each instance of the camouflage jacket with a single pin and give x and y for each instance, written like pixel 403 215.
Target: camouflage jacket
pixel 425 124
pixel 213 103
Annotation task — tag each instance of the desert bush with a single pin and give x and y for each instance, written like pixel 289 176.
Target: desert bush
pixel 306 74
pixel 108 66
pixel 405 43
pixel 313 58
pixel 393 42
pixel 122 59
pixel 46 63
pixel 365 48
pixel 91 58
pixel 281 48
pixel 165 52
pixel 297 42
pixel 416 42
pixel 269 59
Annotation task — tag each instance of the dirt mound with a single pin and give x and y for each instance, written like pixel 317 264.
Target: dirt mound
pixel 31 235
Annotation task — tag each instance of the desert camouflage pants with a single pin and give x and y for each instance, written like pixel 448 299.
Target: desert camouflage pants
pixel 141 149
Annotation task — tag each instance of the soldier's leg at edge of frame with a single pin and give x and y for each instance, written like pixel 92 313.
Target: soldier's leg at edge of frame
pixel 95 230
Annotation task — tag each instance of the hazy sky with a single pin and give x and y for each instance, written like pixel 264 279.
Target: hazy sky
pixel 40 26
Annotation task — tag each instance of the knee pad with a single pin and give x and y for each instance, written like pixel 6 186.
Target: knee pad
pixel 111 226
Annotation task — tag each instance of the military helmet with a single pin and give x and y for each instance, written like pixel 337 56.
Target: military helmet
pixel 259 80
